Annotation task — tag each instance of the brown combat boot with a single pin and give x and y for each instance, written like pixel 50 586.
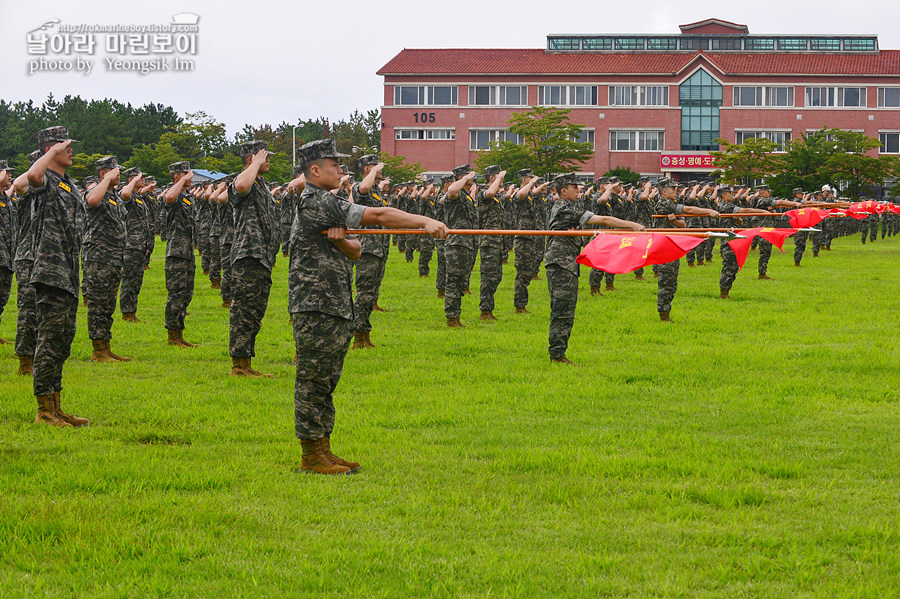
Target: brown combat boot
pixel 522 310
pixel 146 267
pixel 226 304
pixel 315 462
pixel 610 287
pixel 26 365
pixel 378 308
pixel 562 360
pixel 325 447
pixel 46 413
pixel 815 254
pixel 215 283
pixel 367 340
pixel 3 341
pixel 359 341
pixel 656 275
pixel 638 277
pixel 723 294
pixel 700 262
pixel 487 315
pixel 535 277
pixel 664 317
pixel 797 264
pixel 595 291
pixel 467 292
pixel 176 338
pixel 455 323
pixel 440 293
pixel 130 317
pixel 116 357
pixel 101 353
pixel 75 421
pixel 690 265
pixel 764 277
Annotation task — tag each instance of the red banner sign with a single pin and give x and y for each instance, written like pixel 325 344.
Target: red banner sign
pixel 668 161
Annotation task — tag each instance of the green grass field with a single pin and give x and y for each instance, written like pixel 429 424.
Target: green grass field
pixel 749 449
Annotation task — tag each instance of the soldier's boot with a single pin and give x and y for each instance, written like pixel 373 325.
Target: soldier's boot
pixel 254 372
pixel 690 264
pixel 146 267
pixel 815 254
pixel 26 365
pixel 240 367
pixel 116 357
pixel 522 310
pixel 101 353
pixel 595 291
pixel 440 293
pixel 378 308
pixel 3 341
pixel 764 277
pixel 130 317
pixel 723 293
pixel 487 315
pixel 467 292
pixel 315 462
pixel 215 283
pixel 84 302
pixel 610 287
pixel 562 360
pixel 638 277
pixel 75 421
pixel 827 248
pixel 700 262
pixel 359 341
pixel 455 323
pixel 656 275
pixel 46 413
pixel 664 317
pixel 367 340
pixel 176 338
pixel 535 277
pixel 325 446
pixel 797 263
pixel 226 304
pixel 205 272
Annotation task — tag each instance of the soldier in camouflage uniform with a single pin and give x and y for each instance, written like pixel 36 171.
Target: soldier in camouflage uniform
pixel 7 237
pixel 490 216
pixel 428 210
pixel 24 260
pixel 202 215
pixel 138 238
pixel 643 213
pixel 257 237
pixel 562 270
pixel 54 274
pixel 800 237
pixel 460 212
pixel 730 267
pixel 151 203
pixel 226 238
pixel 180 264
pixel 765 202
pixel 374 250
pixel 288 198
pixel 528 248
pixel 668 273
pixel 102 256
pixel 319 297
pixel 440 278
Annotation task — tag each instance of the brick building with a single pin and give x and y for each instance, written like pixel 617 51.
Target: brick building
pixel 653 103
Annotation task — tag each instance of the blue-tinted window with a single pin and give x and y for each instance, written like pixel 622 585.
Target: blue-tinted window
pixel 700 97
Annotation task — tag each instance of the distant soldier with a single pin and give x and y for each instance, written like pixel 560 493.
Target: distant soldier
pixel 138 238
pixel 7 236
pixel 800 237
pixel 226 238
pixel 490 217
pixel 730 267
pixel 428 210
pixel 151 203
pixel 54 275
pixel 460 212
pixel 180 264
pixel 529 249
pixel 440 277
pixel 24 261
pixel 215 231
pixel 767 203
pixel 257 237
pixel 102 256
pixel 370 267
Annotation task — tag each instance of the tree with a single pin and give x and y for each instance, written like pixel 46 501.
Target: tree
pixel 745 162
pixel 398 170
pixel 625 175
pixel 548 143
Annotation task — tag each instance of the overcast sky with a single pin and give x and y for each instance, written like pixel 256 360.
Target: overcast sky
pixel 267 61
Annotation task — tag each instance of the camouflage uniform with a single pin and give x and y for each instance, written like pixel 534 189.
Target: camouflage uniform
pixel 321 305
pixel 202 214
pixel 765 246
pixel 54 276
pixel 257 237
pixel 459 251
pixel 7 247
pixel 287 216
pixel 528 248
pixel 138 237
pixel 371 264
pixel 563 272
pixel 490 216
pixel 426 242
pixel 102 257
pixel 730 266
pixel 668 273
pixel 643 215
pixel 180 264
pixel 412 241
pixel 24 262
pixel 215 244
pixel 151 205
pixel 226 222
pixel 440 245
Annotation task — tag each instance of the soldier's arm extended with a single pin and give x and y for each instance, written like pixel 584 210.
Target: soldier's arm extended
pixel 457 186
pixel 95 196
pixel 129 188
pixel 175 190
pixel 36 171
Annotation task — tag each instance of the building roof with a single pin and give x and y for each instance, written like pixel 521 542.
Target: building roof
pixel 472 61
pixel 714 26
pixel 208 174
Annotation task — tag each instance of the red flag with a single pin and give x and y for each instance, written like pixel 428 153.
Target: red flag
pixel 806 217
pixel 619 254
pixel 895 208
pixel 867 206
pixel 741 247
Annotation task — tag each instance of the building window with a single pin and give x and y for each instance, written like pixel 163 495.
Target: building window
pixel 662 43
pixel 759 43
pixel 498 95
pixel 564 43
pixel 725 43
pixel 836 96
pixel 694 43
pixel 890 143
pixel 778 137
pixel 596 43
pixel 859 45
pixel 793 44
pixel 480 139
pixel 638 95
pixel 636 141
pixel 432 95
pixel 700 97
pixel 629 43
pixel 889 97
pixel 409 96
pixel 585 136
pixel 763 96
pixel 567 95
pixel 442 95
pixel 424 134
pixel 831 44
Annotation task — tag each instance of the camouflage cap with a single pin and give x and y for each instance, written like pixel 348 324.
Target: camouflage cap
pixel 726 189
pixel 613 180
pixel 664 182
pixel 797 190
pixel 762 188
pixel 463 169
pixel 525 172
pixel 250 148
pixel 33 157
pixel 447 178
pixel 567 179
pixel 540 181
pixel 53 134
pixel 150 180
pixel 367 160
pixel 4 166
pixel 91 179
pixel 107 162
pixel 491 171
pixel 317 150
pixel 298 168
pixel 179 167
pixel 131 172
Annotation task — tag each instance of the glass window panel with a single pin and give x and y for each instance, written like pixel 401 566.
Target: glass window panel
pixel 793 43
pixel 859 45
pixel 759 43
pixel 411 96
pixel 825 44
pixel 662 43
pixel 889 97
pixel 564 43
pixel 629 43
pixel 596 43
pixel 890 143
pixel 725 43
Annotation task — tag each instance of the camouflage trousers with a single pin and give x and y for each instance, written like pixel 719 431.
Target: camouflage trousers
pixel 800 238
pixel 708 246
pixel 132 281
pixel 322 341
pixel 180 286
pixel 250 287
pixel 765 253
pixel 285 238
pixel 729 267
pixel 412 244
pixel 215 257
pixel 401 242
pixel 668 285
pixel 528 255
pixel 563 286
pixel 6 277
pixel 54 332
pixel 460 261
pixel 225 252
pixel 491 273
pixel 426 249
pixel 151 245
pixel 101 287
pixel 26 317
pixel 369 274
pixel 441 275
pixel 203 246
pixel 598 276
pixel 869 227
